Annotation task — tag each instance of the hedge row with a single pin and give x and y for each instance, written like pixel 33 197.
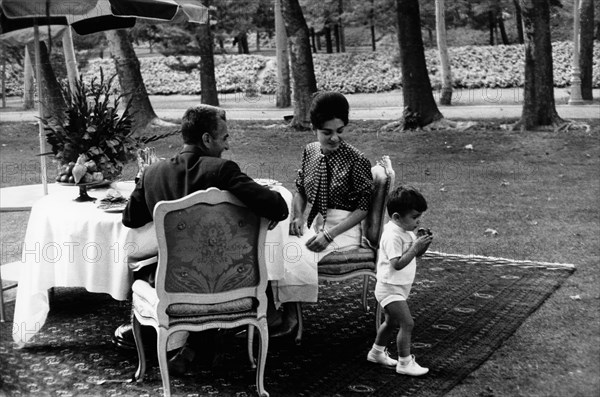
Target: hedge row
pixel 472 67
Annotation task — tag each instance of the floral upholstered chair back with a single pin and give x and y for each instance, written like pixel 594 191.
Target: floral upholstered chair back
pixel 208 249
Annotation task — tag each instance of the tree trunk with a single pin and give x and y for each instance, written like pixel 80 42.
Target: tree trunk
pixel 257 41
pixel 519 22
pixel 420 108
pixel 538 98
pixel 312 39
pixel 303 72
pixel 51 101
pixel 328 43
pixel 70 60
pixel 130 79
pixel 586 48
pixel 341 26
pixel 242 42
pixel 208 81
pixel 442 43
pixel 502 29
pixel 492 22
pixel 28 83
pixel 372 25
pixel 283 95
pixel 336 35
pixel 373 43
pixel 3 80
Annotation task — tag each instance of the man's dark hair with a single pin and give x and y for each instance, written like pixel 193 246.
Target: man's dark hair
pixel 327 106
pixel 200 119
pixel 405 198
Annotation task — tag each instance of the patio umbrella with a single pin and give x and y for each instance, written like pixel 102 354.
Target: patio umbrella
pixel 95 16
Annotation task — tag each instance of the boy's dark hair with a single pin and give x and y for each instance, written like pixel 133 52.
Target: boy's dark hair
pixel 200 119
pixel 328 105
pixel 405 198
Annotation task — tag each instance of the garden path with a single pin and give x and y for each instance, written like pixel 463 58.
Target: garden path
pixel 467 104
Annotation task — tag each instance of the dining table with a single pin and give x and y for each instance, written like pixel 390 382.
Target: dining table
pixel 78 244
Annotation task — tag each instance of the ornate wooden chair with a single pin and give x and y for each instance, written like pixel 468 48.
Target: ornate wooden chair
pixel 211 274
pixel 360 262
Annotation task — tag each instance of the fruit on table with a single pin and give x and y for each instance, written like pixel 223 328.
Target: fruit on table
pixel 82 171
pixel 79 170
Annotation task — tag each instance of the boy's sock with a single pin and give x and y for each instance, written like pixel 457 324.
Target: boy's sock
pixel 378 348
pixel 379 355
pixel 405 360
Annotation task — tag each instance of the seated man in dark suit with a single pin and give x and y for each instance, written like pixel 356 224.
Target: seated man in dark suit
pixel 198 166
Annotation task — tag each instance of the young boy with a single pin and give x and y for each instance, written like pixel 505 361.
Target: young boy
pixel 395 274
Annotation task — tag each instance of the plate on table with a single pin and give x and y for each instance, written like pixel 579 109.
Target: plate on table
pixel 102 183
pixel 267 182
pixel 112 206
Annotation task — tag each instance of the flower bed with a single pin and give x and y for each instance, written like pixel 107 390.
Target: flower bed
pixel 472 67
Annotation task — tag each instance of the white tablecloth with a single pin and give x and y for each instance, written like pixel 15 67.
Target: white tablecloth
pixel 71 244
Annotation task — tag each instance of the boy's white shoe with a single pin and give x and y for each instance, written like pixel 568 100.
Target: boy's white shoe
pixel 411 368
pixel 381 357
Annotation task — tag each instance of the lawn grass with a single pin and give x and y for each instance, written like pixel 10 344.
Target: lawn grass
pixel 538 190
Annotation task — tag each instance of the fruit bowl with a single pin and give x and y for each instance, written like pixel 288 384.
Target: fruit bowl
pixel 83 195
pixel 102 183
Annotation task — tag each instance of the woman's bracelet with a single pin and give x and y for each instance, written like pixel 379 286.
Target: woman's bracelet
pixel 327 235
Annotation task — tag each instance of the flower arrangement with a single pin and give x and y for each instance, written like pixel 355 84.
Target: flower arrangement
pixel 91 134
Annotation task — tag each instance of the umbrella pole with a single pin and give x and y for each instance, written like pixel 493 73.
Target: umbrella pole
pixel 71 63
pixel 38 73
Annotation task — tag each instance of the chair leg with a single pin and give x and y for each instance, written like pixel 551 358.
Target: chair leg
pixel 263 347
pixel 251 346
pixel 161 347
pixel 139 344
pixel 300 323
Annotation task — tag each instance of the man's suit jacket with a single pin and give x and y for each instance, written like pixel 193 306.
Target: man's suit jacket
pixel 191 171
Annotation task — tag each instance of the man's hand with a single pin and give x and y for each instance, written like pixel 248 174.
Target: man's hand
pixel 296 226
pixel 272 224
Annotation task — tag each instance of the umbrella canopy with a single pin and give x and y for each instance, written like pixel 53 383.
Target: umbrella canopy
pixel 90 16
pixel 20 31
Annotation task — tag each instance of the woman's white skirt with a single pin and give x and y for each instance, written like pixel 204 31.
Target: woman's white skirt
pixel 300 279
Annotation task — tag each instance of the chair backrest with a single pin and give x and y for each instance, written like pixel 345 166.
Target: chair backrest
pixel 210 250
pixel 383 181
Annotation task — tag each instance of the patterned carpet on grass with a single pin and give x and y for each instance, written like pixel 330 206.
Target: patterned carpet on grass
pixel 464 308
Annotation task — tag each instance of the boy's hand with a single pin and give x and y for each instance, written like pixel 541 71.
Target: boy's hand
pixel 422 243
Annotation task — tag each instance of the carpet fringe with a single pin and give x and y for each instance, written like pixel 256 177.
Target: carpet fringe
pixel 492 258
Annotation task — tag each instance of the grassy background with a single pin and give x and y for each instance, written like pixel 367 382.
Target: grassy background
pixel 538 190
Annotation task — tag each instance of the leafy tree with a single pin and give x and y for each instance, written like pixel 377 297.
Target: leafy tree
pixel 208 81
pixel 373 13
pixel 325 17
pixel 52 101
pixel 130 79
pixel 586 56
pixel 303 71
pixel 538 98
pixel 283 95
pixel 446 97
pixel 236 18
pixel 419 105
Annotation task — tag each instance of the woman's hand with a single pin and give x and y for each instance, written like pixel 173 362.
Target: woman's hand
pixel 297 226
pixel 317 243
